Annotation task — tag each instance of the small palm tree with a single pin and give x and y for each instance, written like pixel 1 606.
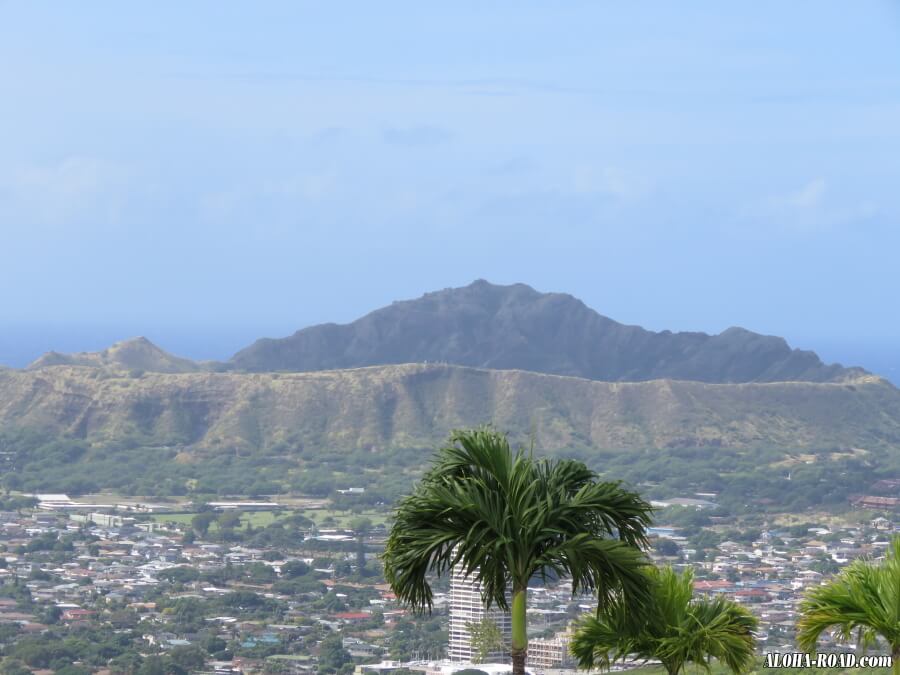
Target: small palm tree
pixel 506 517
pixel 673 627
pixel 863 598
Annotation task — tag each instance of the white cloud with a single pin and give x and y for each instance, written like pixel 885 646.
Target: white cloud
pixel 809 196
pixel 64 192
pixel 813 207
pixel 271 204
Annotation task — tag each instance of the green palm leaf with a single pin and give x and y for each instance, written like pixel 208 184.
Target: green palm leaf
pixel 673 628
pixel 505 518
pixel 864 599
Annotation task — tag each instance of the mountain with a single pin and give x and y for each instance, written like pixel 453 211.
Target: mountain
pixel 416 405
pixel 515 327
pixel 134 354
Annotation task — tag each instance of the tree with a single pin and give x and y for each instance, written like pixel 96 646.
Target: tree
pixel 505 518
pixel 486 638
pixel 864 598
pixel 294 568
pixel 188 657
pixel 332 654
pixel 128 663
pixel 152 665
pixel 181 574
pixel 214 644
pixel 229 520
pixel 50 615
pixel 672 627
pixel 276 667
pixel 124 618
pixel 361 527
pixel 666 547
pixel 260 573
pixel 8 632
pixel 70 669
pixel 202 521
pixel 14 667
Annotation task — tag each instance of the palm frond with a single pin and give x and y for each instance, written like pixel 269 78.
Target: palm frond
pixel 675 628
pixel 864 597
pixel 506 517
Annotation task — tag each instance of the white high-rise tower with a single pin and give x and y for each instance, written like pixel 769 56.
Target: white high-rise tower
pixel 467 607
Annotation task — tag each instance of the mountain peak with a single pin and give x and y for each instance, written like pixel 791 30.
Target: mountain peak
pixel 136 344
pixel 516 327
pixel 136 353
pixel 139 340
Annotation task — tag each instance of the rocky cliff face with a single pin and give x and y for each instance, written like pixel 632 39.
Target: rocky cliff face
pixel 515 327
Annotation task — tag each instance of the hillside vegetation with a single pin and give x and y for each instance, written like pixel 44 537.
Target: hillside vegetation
pixel 364 404
pixel 416 405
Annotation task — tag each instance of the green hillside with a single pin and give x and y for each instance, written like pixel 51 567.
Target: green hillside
pixel 416 405
pixel 790 444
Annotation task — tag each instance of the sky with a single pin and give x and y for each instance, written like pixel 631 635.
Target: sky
pixel 208 173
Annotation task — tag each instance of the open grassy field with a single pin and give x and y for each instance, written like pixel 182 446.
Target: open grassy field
pixel 258 519
pixel 323 517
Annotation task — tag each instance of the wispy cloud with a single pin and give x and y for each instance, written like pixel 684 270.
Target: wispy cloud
pixel 417 136
pixel 812 207
pixel 809 196
pixel 609 180
pixel 512 166
pixel 65 191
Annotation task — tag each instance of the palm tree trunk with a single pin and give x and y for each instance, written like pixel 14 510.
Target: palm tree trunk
pixel 895 654
pixel 519 625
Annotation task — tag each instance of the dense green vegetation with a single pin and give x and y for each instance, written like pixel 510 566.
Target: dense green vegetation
pixel 745 480
pixel 759 479
pixel 40 462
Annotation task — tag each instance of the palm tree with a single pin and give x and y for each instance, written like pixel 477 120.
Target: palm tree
pixel 507 517
pixel 864 597
pixel 673 627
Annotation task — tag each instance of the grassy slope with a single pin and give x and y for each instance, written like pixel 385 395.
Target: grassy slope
pixel 412 406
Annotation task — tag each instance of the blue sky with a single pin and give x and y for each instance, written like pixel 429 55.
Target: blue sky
pixel 206 173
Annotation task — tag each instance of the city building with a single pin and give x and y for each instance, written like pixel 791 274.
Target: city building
pixel 544 653
pixel 467 607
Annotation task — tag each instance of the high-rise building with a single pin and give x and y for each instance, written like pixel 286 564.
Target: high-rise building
pixel 467 607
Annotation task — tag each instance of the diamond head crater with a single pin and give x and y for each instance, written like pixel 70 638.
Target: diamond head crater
pixel 738 413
